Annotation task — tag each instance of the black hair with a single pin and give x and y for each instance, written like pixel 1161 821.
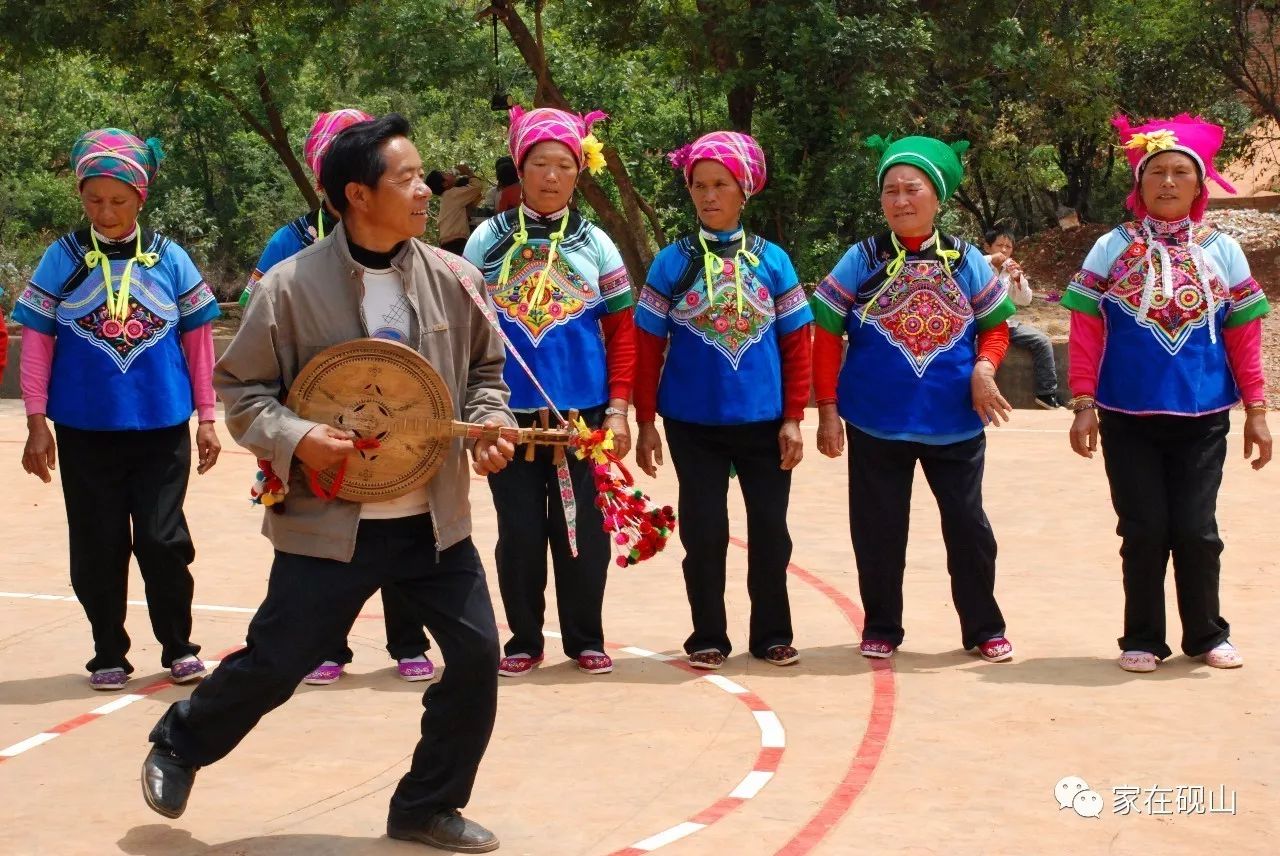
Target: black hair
pixel 992 235
pixel 505 171
pixel 435 180
pixel 356 155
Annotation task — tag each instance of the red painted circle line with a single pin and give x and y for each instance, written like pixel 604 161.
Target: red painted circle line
pixel 833 810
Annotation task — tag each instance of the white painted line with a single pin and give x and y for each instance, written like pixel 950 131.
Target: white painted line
pixel 113 706
pixel 29 743
pixel 772 734
pixel 553 634
pixel 19 595
pixel 725 684
pixel 751 785
pixel 645 652
pixel 675 833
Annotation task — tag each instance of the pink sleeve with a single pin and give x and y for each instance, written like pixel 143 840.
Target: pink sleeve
pixel 1084 353
pixel 1244 353
pixel 36 365
pixel 197 344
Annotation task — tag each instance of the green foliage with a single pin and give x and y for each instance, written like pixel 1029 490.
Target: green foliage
pixel 1032 84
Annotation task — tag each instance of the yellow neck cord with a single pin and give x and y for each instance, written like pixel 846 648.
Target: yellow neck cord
pixel 899 261
pixel 713 266
pixel 118 301
pixel 518 240
pixel 320 223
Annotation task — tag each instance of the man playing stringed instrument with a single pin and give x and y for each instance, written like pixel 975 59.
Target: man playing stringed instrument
pixel 370 273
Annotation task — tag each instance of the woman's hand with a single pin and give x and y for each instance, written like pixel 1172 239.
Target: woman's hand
pixel 208 446
pixel 790 443
pixel 830 431
pixel 40 455
pixel 987 400
pixel 620 427
pixel 1257 433
pixel 649 449
pixel 1084 433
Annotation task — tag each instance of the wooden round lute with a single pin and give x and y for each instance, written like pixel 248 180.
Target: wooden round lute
pixel 382 390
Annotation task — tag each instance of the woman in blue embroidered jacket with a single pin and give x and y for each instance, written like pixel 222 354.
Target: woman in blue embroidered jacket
pixel 563 298
pixel 1166 337
pixel 732 393
pixel 925 318
pixel 117 351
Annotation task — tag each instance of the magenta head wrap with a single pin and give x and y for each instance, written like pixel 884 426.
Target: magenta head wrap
pixel 739 153
pixel 543 124
pixel 323 131
pixel 1190 135
pixel 117 154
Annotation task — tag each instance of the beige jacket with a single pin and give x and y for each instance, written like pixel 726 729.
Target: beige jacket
pixel 313 300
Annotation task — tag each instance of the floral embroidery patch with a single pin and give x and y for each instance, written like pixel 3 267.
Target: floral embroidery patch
pixel 565 296
pixel 922 313
pixel 1170 320
pixel 718 321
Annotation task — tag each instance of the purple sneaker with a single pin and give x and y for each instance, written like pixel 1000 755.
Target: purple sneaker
pixel 109 679
pixel 187 669
pixel 416 668
pixel 324 674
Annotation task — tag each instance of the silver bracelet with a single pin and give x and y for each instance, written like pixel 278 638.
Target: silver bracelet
pixel 614 411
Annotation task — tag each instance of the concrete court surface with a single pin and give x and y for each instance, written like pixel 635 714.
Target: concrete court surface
pixel 935 753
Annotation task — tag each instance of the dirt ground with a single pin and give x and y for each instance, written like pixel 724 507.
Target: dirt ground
pixel 933 752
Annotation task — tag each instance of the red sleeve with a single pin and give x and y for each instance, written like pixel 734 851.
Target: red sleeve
pixel 1084 352
pixel 828 354
pixel 797 371
pixel 1244 354
pixel 620 351
pixel 993 343
pixel 651 351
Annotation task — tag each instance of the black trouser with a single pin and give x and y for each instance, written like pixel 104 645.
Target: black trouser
pixel 1164 473
pixel 405 637
pixel 880 477
pixel 310 603
pixel 112 478
pixel 526 496
pixel 702 456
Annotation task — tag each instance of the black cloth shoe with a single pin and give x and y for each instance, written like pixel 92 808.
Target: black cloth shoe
pixel 167 781
pixel 447 830
pixel 1049 401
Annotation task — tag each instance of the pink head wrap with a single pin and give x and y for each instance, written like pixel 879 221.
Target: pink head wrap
pixel 543 124
pixel 739 153
pixel 1190 135
pixel 117 154
pixel 326 127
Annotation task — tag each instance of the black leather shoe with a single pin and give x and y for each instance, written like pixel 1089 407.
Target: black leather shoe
pixel 447 830
pixel 167 781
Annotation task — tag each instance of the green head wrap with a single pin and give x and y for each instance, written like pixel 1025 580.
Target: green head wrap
pixel 936 159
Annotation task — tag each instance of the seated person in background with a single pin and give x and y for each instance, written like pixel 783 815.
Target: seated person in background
pixel 999 251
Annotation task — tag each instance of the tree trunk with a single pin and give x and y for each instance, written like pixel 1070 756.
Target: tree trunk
pixel 279 140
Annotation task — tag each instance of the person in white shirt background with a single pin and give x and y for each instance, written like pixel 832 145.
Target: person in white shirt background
pixel 999 252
